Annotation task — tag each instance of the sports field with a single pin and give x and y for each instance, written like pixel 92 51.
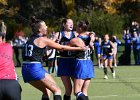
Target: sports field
pixel 126 86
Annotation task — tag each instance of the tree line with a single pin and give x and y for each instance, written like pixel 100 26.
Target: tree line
pixel 104 16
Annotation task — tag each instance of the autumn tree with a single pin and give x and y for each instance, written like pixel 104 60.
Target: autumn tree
pixel 8 8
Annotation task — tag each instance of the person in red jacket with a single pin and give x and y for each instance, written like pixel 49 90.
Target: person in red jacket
pixel 9 86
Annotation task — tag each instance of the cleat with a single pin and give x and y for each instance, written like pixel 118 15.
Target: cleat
pixel 114 75
pixel 115 65
pixel 101 66
pixel 105 77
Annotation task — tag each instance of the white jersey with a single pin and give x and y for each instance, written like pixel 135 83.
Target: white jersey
pixel 50 53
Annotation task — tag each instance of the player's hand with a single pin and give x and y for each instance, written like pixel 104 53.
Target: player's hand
pixel 57 40
pixel 110 54
pixel 85 48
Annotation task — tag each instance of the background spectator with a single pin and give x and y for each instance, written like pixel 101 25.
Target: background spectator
pixel 18 42
pixel 116 42
pixel 136 47
pixel 127 44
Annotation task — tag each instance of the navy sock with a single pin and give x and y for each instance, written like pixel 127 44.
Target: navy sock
pixel 44 98
pixel 112 70
pixel 65 97
pixel 105 71
pixel 87 98
pixel 80 96
pixel 57 97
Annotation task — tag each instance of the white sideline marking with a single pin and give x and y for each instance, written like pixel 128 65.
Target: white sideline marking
pixel 134 95
pixel 107 96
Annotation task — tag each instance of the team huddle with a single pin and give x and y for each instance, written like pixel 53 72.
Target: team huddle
pixel 74 62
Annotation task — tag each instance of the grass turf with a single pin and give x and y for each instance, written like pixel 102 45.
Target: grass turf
pixel 126 86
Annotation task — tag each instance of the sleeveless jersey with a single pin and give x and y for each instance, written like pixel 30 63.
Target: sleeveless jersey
pixel 7 68
pixel 86 39
pixel 96 44
pixel 106 48
pixel 64 41
pixel 31 52
pixel 97 47
pixel 84 54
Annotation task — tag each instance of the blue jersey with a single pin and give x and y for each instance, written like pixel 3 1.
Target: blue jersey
pixel 106 48
pixel 31 52
pixel 97 47
pixel 127 38
pixel 84 54
pixel 136 42
pixel 83 68
pixel 66 60
pixel 86 39
pixel 64 41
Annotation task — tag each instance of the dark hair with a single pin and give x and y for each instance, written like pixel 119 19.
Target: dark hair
pixel 35 24
pixel 83 25
pixel 112 39
pixel 64 21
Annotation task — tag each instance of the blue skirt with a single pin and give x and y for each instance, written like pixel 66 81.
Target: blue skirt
pixel 83 69
pixel 108 57
pixel 98 50
pixel 32 71
pixel 65 66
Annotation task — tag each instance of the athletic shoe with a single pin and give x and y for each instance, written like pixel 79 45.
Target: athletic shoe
pixel 105 77
pixel 114 75
pixel 101 66
pixel 115 65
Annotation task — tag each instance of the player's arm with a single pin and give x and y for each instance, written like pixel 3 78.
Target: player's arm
pixel 52 44
pixel 76 42
pixel 92 39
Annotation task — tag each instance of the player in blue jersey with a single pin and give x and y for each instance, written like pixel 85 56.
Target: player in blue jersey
pixel 83 69
pixel 97 46
pixel 33 52
pixel 66 59
pixel 107 53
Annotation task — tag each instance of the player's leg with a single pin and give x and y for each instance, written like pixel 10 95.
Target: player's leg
pixel 68 87
pixel 115 61
pixel 105 62
pixel 110 66
pixel 45 84
pixel 12 90
pixel 99 60
pixel 78 83
pixel 50 65
pixel 85 87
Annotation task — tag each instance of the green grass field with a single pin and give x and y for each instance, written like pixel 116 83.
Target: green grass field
pixel 126 86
